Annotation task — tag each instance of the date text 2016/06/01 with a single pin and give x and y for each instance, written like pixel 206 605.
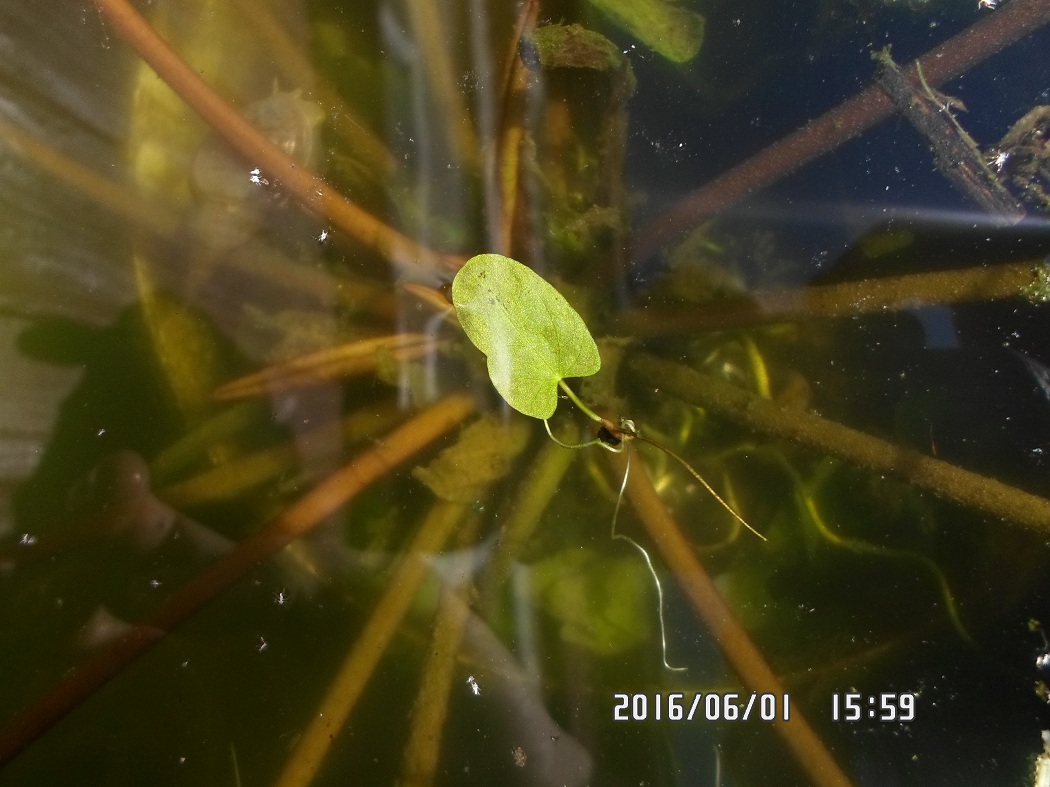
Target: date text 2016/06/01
pixel 701 707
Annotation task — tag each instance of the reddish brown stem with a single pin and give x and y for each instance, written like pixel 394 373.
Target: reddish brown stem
pixel 1009 23
pixel 110 194
pixel 739 651
pixel 308 188
pixel 502 156
pixel 316 739
pixel 296 65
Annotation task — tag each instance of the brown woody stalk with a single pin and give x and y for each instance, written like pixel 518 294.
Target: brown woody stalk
pixel 343 360
pixel 1010 22
pixel 868 296
pixel 503 153
pixel 428 29
pixel 296 66
pixel 308 188
pixel 423 750
pixel 739 651
pixel 296 521
pixel 114 197
pixel 762 415
pixel 127 203
pixel 315 741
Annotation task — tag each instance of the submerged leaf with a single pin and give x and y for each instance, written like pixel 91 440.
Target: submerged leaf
pixel 574 46
pixel 602 603
pixel 662 25
pixel 531 335
pixel 484 453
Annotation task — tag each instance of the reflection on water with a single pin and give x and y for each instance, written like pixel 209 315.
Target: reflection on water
pixel 266 520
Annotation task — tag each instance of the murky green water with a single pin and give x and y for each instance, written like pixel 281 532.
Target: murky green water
pixel 266 520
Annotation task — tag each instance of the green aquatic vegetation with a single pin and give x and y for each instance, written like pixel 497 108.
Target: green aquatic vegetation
pixel 667 28
pixel 533 339
pixel 484 453
pixel 1038 290
pixel 574 46
pixel 600 603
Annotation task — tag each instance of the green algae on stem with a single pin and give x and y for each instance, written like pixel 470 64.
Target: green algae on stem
pixel 945 480
pixel 848 299
pixel 1038 289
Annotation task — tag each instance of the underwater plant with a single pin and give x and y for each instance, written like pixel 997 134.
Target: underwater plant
pixel 276 470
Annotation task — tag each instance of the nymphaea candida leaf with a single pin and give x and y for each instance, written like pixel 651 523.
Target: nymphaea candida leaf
pixel 529 333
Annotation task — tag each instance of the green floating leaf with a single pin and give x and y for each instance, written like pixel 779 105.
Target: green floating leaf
pixel 530 334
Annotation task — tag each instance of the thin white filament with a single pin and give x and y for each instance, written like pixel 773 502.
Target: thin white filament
pixel 550 434
pixel 702 480
pixel 648 561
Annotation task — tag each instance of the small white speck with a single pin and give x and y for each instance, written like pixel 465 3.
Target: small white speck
pixel 323 236
pixel 474 687
pixel 263 645
pixel 27 540
pixel 154 583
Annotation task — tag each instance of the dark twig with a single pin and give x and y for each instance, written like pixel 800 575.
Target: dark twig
pixel 958 54
pixel 955 153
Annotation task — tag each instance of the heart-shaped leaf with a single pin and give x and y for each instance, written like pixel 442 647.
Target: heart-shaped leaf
pixel 530 334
